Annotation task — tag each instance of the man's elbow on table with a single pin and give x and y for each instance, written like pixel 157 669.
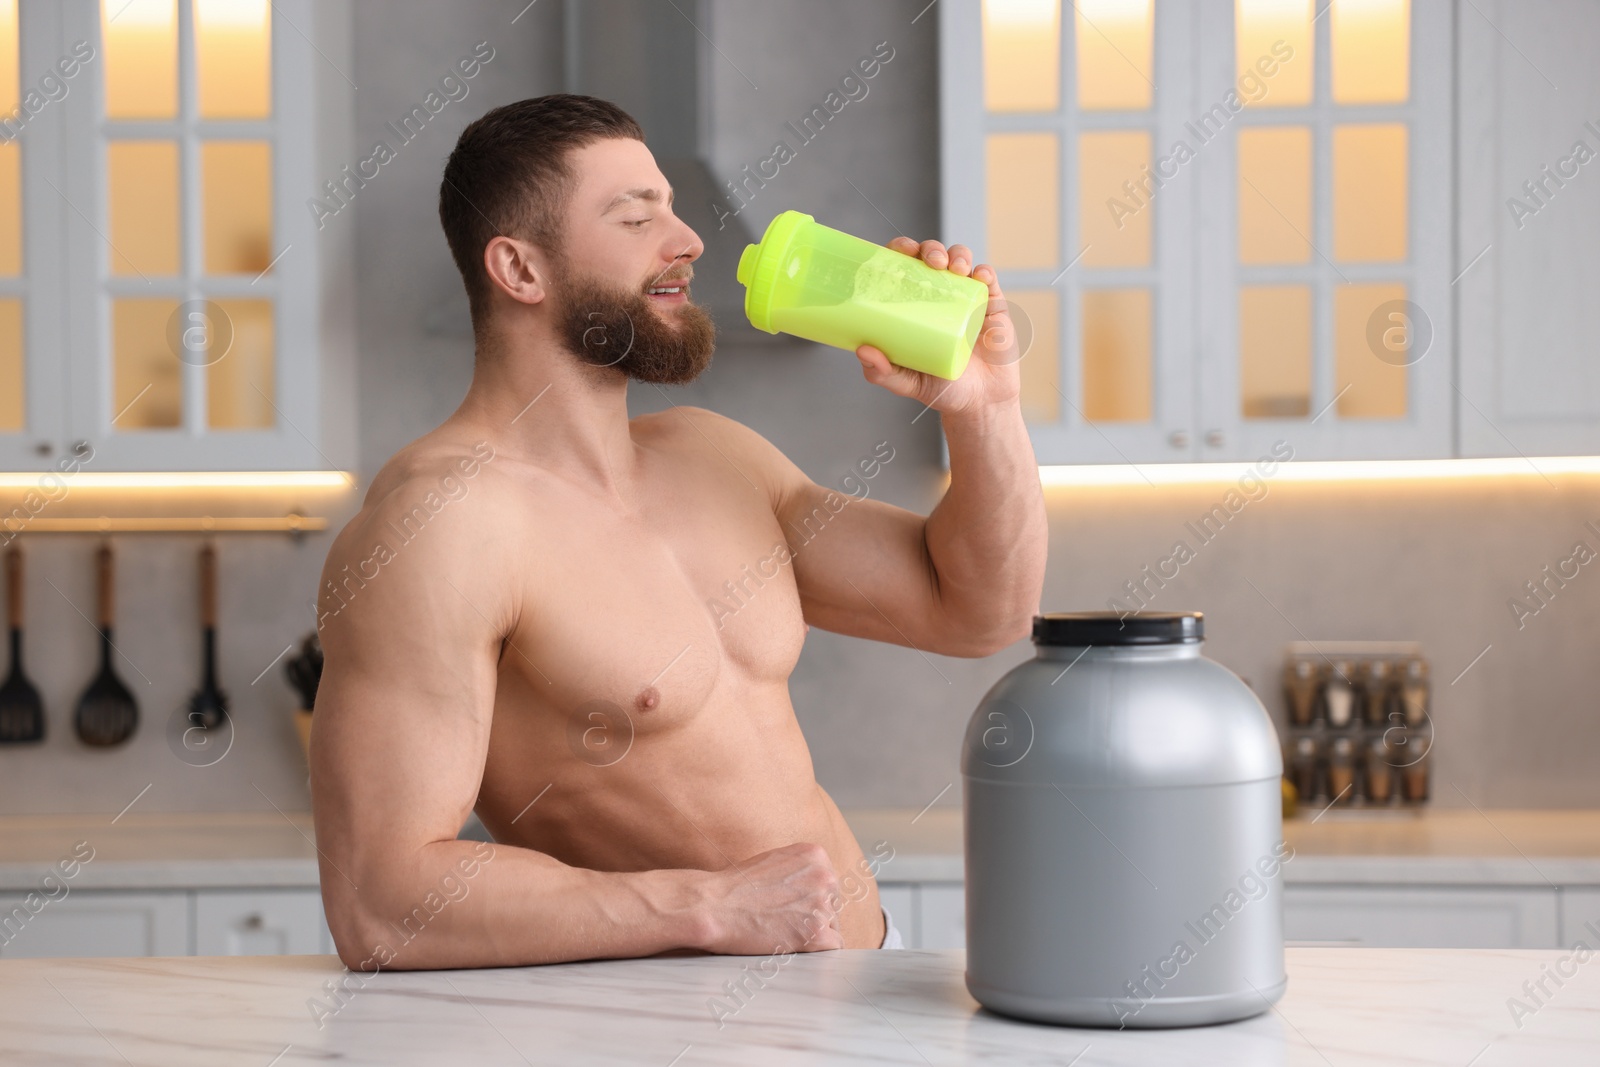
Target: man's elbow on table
pixel 380 925
pixel 363 938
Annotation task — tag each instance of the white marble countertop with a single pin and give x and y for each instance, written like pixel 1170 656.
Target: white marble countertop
pixel 162 851
pixel 1373 1007
pixel 1425 846
pixel 272 850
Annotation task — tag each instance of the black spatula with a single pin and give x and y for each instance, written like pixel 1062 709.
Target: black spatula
pixel 21 710
pixel 209 705
pixel 107 714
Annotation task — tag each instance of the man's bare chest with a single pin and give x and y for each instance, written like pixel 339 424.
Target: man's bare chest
pixel 649 619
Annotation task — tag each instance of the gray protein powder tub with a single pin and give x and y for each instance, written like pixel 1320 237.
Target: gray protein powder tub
pixel 1124 831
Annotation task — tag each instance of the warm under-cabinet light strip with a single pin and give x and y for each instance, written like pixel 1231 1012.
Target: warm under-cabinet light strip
pixel 180 480
pixel 1315 471
pixel 289 524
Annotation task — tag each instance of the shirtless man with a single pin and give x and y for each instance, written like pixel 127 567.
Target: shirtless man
pixel 524 617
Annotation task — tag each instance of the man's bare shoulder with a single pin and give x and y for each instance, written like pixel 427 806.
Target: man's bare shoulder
pixel 444 483
pixel 436 460
pixel 725 440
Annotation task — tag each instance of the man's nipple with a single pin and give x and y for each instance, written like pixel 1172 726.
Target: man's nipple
pixel 647 700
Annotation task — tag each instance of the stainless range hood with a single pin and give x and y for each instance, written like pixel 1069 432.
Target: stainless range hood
pixel 651 60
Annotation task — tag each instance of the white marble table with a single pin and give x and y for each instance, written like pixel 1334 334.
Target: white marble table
pixel 1367 1007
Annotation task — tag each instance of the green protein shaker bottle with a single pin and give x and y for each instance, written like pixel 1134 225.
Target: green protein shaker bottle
pixel 826 286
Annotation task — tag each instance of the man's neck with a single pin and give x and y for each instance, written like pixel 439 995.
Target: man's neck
pixel 536 401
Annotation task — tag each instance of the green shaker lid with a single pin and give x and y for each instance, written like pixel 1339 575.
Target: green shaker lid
pixel 759 265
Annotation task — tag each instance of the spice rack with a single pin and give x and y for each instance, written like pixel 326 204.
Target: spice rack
pixel 1360 723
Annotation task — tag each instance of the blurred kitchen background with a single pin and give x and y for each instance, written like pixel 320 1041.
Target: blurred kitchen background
pixel 1182 308
pixel 157 173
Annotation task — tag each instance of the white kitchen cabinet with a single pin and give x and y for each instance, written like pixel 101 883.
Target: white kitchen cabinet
pixel 1529 380
pixel 1064 279
pixel 31 328
pixel 1116 226
pixel 94 923
pixel 1421 428
pixel 900 901
pixel 1422 916
pixel 930 915
pixel 189 332
pixel 268 922
pixel 942 918
pixel 1580 917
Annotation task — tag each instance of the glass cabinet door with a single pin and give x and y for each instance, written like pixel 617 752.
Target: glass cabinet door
pixel 1224 223
pixel 1324 306
pixel 32 426
pixel 192 262
pixel 1057 185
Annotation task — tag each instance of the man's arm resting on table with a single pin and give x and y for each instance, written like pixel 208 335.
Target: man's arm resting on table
pixel 400 740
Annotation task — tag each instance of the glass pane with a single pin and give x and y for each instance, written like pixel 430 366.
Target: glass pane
pixel 236 178
pixel 1022 55
pixel 1113 219
pixel 1369 193
pixel 1116 355
pixel 1273 52
pixel 1371 61
pixel 1037 314
pixel 1024 182
pixel 141 44
pixel 239 385
pixel 142 197
pixel 1275 351
pixel 10 209
pixel 11 380
pixel 1275 194
pixel 147 378
pixel 233 58
pixel 1114 42
pixel 9 83
pixel 1377 385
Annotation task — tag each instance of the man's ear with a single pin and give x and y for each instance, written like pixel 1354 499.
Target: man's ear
pixel 516 269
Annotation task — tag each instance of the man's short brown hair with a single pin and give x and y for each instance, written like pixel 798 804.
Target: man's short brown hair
pixel 508 175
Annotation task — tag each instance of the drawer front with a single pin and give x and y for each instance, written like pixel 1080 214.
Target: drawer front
pixel 91 923
pixel 1421 916
pixel 262 922
pixel 942 908
pixel 900 901
pixel 1580 917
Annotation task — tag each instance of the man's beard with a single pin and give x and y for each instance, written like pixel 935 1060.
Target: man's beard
pixel 605 326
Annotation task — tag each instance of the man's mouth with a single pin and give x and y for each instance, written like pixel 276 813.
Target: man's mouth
pixel 669 294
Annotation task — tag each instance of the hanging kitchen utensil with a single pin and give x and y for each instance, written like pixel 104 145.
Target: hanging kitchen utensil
pixel 21 710
pixel 107 714
pixel 305 672
pixel 209 705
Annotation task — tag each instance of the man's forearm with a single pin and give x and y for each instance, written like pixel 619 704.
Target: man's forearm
pixel 988 538
pixel 473 904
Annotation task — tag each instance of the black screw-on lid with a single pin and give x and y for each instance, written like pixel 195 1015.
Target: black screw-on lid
pixel 1112 628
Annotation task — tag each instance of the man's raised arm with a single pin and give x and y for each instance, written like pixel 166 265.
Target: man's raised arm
pixel 966 580
pixel 413 634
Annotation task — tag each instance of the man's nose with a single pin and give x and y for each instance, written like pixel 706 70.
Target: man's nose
pixel 685 244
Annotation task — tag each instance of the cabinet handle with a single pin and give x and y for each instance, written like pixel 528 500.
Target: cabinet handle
pixel 43 448
pixel 253 922
pixel 1214 438
pixel 80 447
pixel 1178 438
